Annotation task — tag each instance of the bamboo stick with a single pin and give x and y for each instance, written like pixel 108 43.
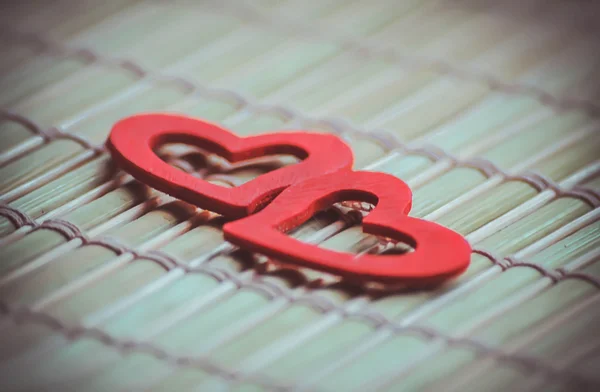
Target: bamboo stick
pixel 504 216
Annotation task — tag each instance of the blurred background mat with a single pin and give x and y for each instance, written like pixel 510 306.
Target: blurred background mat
pixel 488 109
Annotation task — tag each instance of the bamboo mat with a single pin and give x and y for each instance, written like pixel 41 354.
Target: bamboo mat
pixel 488 110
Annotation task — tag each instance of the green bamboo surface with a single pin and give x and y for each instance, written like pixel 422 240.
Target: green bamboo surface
pixel 489 110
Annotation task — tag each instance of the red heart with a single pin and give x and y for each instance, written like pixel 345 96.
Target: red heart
pixel 439 253
pixel 133 140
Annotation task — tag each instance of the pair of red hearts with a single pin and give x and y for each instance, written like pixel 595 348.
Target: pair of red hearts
pixel 287 197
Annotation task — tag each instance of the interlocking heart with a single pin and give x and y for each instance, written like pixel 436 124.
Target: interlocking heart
pixel 272 204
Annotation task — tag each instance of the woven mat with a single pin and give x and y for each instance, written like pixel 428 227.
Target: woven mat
pixel 487 109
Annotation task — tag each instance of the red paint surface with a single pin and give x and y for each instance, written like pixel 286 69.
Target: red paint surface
pixel 323 178
pixel 133 140
pixel 439 254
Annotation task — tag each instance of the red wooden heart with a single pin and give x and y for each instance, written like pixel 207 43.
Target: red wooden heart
pixel 132 142
pixel 439 253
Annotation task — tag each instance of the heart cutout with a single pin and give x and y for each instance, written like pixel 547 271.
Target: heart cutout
pixel 133 141
pixel 439 253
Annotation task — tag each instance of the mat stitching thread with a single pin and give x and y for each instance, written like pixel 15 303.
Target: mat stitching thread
pixel 377 319
pixel 368 49
pixel 383 137
pixel 85 54
pixel 554 275
pixel 287 112
pixel 24 314
pixel 17 217
pixel 338 125
pixel 533 265
pixel 526 362
pixel 537 180
pixel 70 231
pixel 390 142
pixel 65 228
pixel 25 122
pixel 501 262
pixel 110 243
pixel 51 133
pixel 565 274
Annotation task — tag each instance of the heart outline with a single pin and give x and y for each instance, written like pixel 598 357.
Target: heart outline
pixel 439 254
pixel 132 142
